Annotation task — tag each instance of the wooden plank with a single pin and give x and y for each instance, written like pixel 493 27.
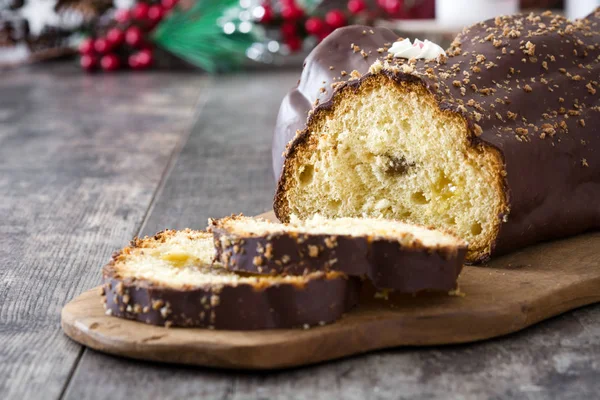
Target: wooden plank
pixel 555 359
pixel 80 159
pixel 225 167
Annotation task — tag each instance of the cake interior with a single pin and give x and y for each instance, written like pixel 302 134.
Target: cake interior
pixel 184 259
pixel 386 150
pixel 357 227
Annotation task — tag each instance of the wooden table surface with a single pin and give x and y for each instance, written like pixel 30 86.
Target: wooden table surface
pixel 88 162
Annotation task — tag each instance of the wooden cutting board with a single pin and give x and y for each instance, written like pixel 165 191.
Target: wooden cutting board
pixel 508 294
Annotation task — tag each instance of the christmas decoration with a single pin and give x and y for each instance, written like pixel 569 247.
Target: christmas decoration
pixel 214 35
pixel 32 30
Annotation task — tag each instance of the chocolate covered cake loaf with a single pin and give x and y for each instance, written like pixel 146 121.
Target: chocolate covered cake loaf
pixel 170 280
pixel 391 254
pixel 495 141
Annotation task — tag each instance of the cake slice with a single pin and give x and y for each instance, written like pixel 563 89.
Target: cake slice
pixel 393 255
pixel 496 142
pixel 170 280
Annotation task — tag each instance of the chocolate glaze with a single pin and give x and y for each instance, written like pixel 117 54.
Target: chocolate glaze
pixel 321 299
pixel 387 263
pixel 538 104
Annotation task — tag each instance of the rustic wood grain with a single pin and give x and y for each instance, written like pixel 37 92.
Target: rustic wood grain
pixel 554 359
pixel 225 166
pixel 80 159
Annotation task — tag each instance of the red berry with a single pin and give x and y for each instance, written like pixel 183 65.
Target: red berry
pixel 140 11
pixel 115 36
pixel 356 6
pixel 314 25
pixel 391 6
pixel 133 36
pixel 133 62
pixel 145 58
pixel 101 45
pixel 155 13
pixel 168 4
pixel 268 14
pixel 88 62
pixel 288 29
pixel 293 43
pixel 335 19
pixel 86 46
pixel 109 62
pixel 122 15
pixel 291 11
pixel 141 60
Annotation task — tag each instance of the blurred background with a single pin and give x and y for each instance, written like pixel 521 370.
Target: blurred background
pixel 224 35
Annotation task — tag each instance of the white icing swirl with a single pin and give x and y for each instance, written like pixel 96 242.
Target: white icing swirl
pixel 426 50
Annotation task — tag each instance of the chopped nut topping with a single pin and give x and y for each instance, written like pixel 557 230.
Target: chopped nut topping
pixel 331 242
pixel 529 49
pixel 590 89
pixel 548 129
pixel 157 304
pixel 521 131
pixel 165 311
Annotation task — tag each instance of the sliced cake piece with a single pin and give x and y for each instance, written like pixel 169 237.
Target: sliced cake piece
pixel 392 254
pixel 170 280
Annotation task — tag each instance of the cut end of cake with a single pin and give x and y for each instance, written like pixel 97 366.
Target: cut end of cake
pixel 383 148
pixel 407 235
